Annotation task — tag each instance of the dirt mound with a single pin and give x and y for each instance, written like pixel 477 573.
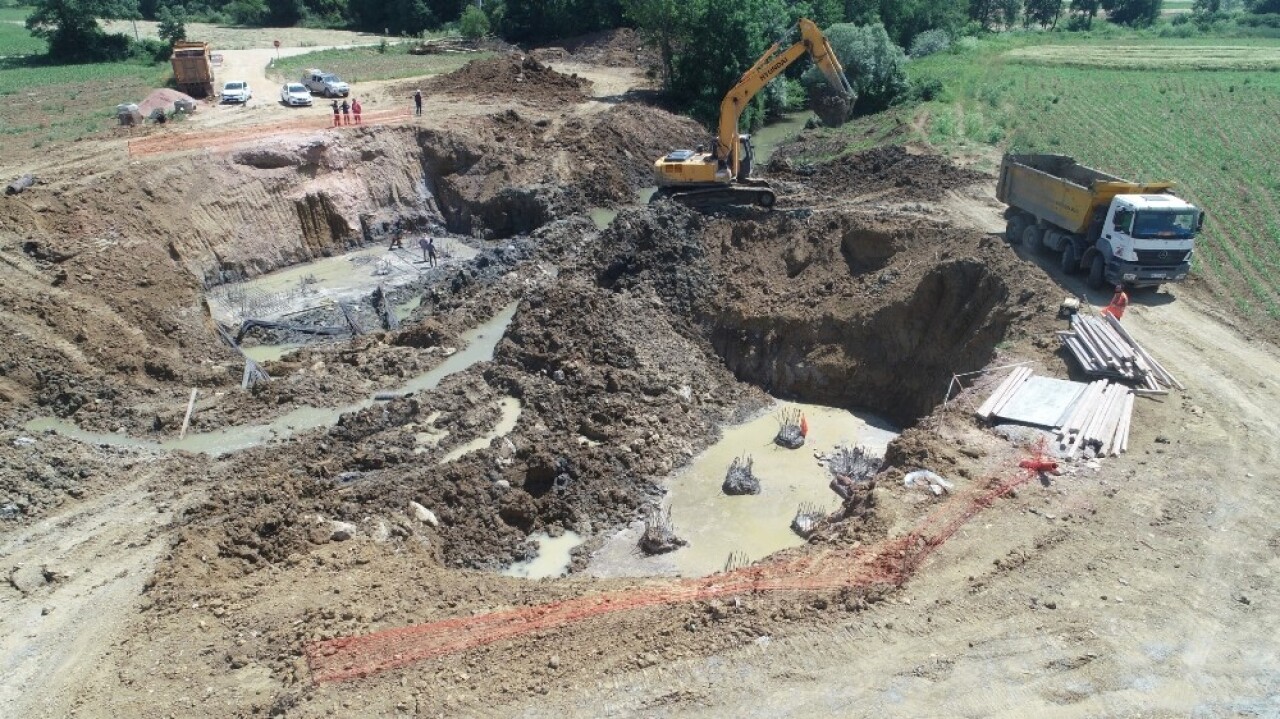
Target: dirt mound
pixel 621 47
pixel 883 169
pixel 162 99
pixel 512 77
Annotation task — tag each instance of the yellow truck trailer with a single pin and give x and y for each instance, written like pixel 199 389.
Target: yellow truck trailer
pixel 1137 234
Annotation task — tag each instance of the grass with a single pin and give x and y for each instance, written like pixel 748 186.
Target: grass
pixel 15 14
pixel 42 104
pixel 1213 132
pixel 1154 57
pixel 368 63
pixel 15 40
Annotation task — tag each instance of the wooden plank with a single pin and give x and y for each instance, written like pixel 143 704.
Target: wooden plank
pixel 1124 441
pixel 191 405
pixel 984 411
pixel 1013 390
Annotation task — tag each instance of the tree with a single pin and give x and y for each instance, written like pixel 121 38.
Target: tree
pixel 1083 12
pixel 664 24
pixel 474 23
pixel 72 31
pixel 875 66
pixel 1134 13
pixel 1264 7
pixel 725 38
pixel 173 23
pixel 1043 12
pixel 247 12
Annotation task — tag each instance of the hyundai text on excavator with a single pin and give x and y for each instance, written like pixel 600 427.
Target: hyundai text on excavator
pixel 723 176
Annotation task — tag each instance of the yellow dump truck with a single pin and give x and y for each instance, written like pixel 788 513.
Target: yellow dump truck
pixel 1132 233
pixel 193 68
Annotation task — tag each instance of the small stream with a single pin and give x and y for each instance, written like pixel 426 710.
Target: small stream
pixel 480 345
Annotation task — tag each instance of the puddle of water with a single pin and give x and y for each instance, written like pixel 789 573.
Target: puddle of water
pixel 510 408
pixel 481 343
pixel 404 309
pixel 767 138
pixel 270 353
pixel 604 216
pixel 554 555
pixel 329 279
pixel 716 524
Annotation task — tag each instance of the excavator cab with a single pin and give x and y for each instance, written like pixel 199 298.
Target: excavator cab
pixel 723 175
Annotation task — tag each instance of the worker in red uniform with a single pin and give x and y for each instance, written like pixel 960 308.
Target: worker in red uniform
pixel 1118 303
pixel 355 109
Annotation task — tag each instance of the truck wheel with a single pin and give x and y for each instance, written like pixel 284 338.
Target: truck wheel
pixel 1098 272
pixel 1013 229
pixel 1031 238
pixel 1070 263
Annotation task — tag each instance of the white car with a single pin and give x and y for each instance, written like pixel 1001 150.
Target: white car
pixel 237 91
pixel 294 94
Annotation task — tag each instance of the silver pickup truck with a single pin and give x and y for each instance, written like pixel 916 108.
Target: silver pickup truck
pixel 325 83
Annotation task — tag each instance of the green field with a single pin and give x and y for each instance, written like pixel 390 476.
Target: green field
pixel 15 40
pixel 14 14
pixel 368 63
pixel 57 103
pixel 1215 133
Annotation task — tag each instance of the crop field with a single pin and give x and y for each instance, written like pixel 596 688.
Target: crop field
pixel 1148 57
pixel 15 40
pixel 1215 133
pixel 362 64
pixel 41 104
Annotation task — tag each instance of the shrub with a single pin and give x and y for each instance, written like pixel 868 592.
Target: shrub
pixel 875 66
pixel 473 24
pixel 926 89
pixel 929 42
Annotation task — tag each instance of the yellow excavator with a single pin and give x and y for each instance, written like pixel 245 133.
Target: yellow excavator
pixel 723 176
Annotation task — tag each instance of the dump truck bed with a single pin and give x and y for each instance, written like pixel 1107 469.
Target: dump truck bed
pixel 192 69
pixel 1057 189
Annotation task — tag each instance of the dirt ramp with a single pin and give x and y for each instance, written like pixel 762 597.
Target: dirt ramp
pixel 890 170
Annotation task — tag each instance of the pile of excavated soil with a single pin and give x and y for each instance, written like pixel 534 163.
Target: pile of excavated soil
pixel 511 77
pixel 162 99
pixel 621 47
pixel 883 169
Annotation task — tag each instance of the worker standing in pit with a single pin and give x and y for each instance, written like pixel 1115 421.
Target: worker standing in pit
pixel 355 109
pixel 346 112
pixel 1119 303
pixel 337 116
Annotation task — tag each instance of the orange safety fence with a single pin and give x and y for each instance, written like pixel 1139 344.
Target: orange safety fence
pixel 220 139
pixel 888 563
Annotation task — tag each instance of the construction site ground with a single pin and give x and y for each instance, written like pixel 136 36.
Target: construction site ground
pixel 353 569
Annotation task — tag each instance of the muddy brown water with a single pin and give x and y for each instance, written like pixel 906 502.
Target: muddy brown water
pixel 715 524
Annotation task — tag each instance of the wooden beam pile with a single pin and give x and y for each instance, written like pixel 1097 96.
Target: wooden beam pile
pixel 1103 348
pixel 1100 419
pixel 1005 392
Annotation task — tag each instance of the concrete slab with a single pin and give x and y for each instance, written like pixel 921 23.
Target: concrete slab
pixel 1041 401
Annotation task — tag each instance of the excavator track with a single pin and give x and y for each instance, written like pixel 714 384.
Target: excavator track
pixel 710 197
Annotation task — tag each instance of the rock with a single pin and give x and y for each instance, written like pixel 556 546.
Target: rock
pixel 422 514
pixel 342 531
pixel 23 441
pixel 237 661
pixel 45 611
pixel 554 662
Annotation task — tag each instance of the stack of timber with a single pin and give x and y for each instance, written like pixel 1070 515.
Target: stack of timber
pixel 1103 348
pixel 1099 420
pixel 1005 392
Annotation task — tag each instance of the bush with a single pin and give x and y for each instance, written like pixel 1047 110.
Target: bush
pixel 1271 20
pixel 247 12
pixel 784 95
pixel 929 42
pixel 926 89
pixel 473 24
pixel 875 66
pixel 151 50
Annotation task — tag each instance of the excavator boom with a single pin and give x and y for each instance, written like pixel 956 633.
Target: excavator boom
pixel 724 175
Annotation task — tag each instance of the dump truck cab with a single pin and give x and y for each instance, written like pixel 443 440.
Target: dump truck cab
pixel 1149 239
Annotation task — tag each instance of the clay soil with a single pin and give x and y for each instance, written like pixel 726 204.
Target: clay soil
pixel 144 582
